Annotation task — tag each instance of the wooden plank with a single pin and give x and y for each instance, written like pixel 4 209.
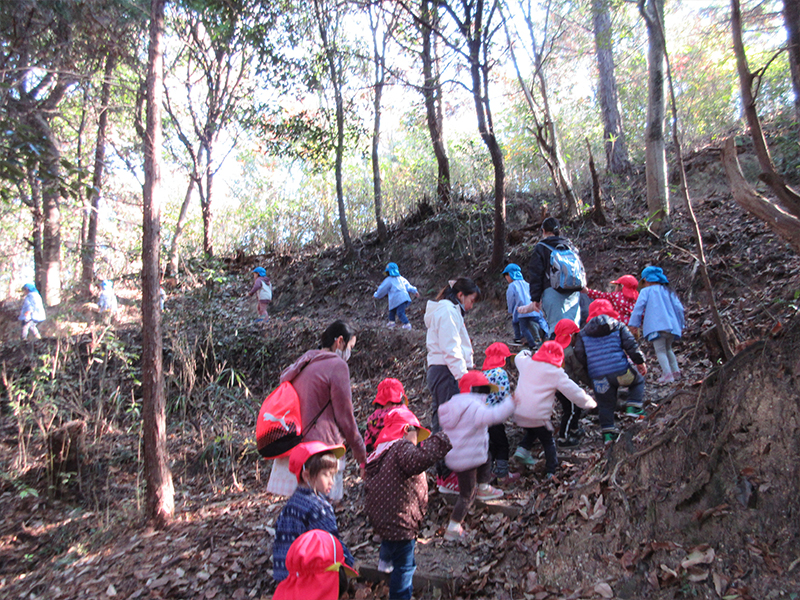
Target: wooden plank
pixel 423 582
pixel 492 507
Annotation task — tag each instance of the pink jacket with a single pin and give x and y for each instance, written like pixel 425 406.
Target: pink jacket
pixel 466 418
pixel 320 375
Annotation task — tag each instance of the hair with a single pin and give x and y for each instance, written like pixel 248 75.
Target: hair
pixel 317 463
pixel 335 330
pixel 463 285
pixel 551 225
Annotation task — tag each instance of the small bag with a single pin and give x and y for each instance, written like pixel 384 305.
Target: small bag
pixel 627 378
pixel 566 269
pixel 279 427
pixel 265 293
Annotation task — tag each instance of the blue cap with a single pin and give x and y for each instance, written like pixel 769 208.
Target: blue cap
pixel 392 270
pixel 654 275
pixel 106 284
pixel 30 287
pixel 513 271
pixel 259 271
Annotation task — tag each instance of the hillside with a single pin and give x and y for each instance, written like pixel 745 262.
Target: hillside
pixel 701 499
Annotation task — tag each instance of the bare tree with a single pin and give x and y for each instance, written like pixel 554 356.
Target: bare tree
pixel 160 492
pixel 791 19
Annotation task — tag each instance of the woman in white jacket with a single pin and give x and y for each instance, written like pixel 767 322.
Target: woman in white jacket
pixel 449 354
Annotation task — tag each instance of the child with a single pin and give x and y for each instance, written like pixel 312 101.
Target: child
pixel 315 465
pixel 263 287
pixel 604 346
pixel 32 312
pixel 623 298
pixel 525 324
pixel 398 290
pixel 540 375
pixel 660 315
pixel 493 364
pixel 397 492
pixel 390 396
pixel 466 418
pixel 314 561
pixel 570 432
pixel 107 302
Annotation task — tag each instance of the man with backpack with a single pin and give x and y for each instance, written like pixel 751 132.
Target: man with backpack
pixel 556 275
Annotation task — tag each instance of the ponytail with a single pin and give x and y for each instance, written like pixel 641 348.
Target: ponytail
pixel 462 285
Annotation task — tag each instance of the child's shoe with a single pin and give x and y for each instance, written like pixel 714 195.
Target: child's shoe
pixel 676 375
pixel 517 342
pixel 487 492
pixel 384 566
pixel 524 456
pixel 666 378
pixel 407 326
pixel 447 485
pixel 390 324
pixel 454 532
pixel 635 412
pixel 549 476
pixel 609 438
pixel 569 442
pixel 507 479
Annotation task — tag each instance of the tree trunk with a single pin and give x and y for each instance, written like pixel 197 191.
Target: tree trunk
pixel 599 216
pixel 89 250
pixel 791 20
pixel 172 266
pixel 379 60
pixel 49 171
pixel 613 135
pixel 160 492
pixel 206 206
pixel 34 202
pixel 652 12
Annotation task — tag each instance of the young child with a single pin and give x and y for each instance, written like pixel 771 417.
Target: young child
pixel 398 289
pixel 317 568
pixel 466 418
pixel 526 325
pixel 604 346
pixel 107 302
pixel 263 287
pixel 496 355
pixel 397 492
pixel 623 298
pixel 390 396
pixel 315 465
pixel 570 432
pixel 660 315
pixel 32 312
pixel 540 376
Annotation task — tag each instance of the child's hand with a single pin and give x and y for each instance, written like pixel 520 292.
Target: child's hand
pixel 642 368
pixel 634 331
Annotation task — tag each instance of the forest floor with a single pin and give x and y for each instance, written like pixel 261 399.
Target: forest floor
pixel 699 500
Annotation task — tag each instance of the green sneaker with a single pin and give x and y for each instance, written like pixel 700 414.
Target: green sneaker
pixel 609 437
pixel 635 411
pixel 524 457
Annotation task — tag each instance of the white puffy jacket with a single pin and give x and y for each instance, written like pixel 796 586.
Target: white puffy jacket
pixel 447 339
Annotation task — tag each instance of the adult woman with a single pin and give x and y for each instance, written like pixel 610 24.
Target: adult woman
pixel 322 381
pixel 449 353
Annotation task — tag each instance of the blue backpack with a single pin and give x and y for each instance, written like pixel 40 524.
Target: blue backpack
pixel 566 269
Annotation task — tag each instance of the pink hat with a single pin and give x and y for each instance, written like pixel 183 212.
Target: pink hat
pixel 496 355
pixel 564 330
pixel 305 450
pixel 475 379
pixel 629 286
pixel 390 390
pixel 396 423
pixel 550 352
pixel 313 562
pixel 602 307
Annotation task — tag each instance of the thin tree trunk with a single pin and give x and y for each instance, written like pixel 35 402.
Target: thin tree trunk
pixel 172 266
pixel 49 171
pixel 599 216
pixel 160 492
pixel 791 19
pixel 206 206
pixel 89 252
pixel 379 61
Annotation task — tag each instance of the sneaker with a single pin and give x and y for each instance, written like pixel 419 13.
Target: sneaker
pixel 447 485
pixel 569 442
pixel 524 456
pixel 666 378
pixel 635 412
pixel 549 476
pixel 507 479
pixel 517 342
pixel 453 535
pixel 407 326
pixel 676 375
pixel 609 437
pixel 384 566
pixel 390 324
pixel 487 492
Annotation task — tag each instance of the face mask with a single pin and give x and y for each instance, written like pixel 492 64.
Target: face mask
pixel 344 354
pixel 463 310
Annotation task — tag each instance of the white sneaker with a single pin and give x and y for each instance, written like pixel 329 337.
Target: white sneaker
pixel 390 324
pixel 454 534
pixel 407 326
pixel 385 566
pixel 487 492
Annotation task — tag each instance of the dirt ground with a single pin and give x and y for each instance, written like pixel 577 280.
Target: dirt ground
pixel 699 500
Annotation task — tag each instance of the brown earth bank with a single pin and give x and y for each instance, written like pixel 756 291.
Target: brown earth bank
pixel 700 499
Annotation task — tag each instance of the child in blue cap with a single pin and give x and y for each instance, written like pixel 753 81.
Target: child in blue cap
pixel 531 325
pixel 32 312
pixel 398 289
pixel 263 287
pixel 107 302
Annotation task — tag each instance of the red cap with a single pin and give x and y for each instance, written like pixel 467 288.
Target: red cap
pixel 313 562
pixel 629 286
pixel 550 352
pixel 390 390
pixel 602 307
pixel 496 355
pixel 305 450
pixel 474 379
pixel 395 423
pixel 564 330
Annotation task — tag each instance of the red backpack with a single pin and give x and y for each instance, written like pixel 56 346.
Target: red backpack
pixel 279 427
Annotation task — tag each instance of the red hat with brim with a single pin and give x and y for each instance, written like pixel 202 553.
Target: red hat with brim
pixel 305 450
pixel 397 422
pixel 496 355
pixel 629 286
pixel 564 330
pixel 390 390
pixel 475 379
pixel 602 307
pixel 550 352
pixel 313 561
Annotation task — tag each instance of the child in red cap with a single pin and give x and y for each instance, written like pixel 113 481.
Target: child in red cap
pixel 466 418
pixel 570 432
pixel 397 491
pixel 390 396
pixel 315 465
pixel 623 298
pixel 317 568
pixel 496 355
pixel 540 376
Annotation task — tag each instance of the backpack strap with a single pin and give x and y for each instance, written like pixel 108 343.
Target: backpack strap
pixel 314 420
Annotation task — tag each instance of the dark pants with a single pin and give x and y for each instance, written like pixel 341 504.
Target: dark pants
pixel 605 391
pixel 400 311
pixel 531 332
pixel 467 488
pixel 401 555
pixel 545 436
pixel 443 386
pixel 498 442
pixel 570 416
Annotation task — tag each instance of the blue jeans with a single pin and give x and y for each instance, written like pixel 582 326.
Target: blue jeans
pixel 605 391
pixel 529 329
pixel 401 581
pixel 400 311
